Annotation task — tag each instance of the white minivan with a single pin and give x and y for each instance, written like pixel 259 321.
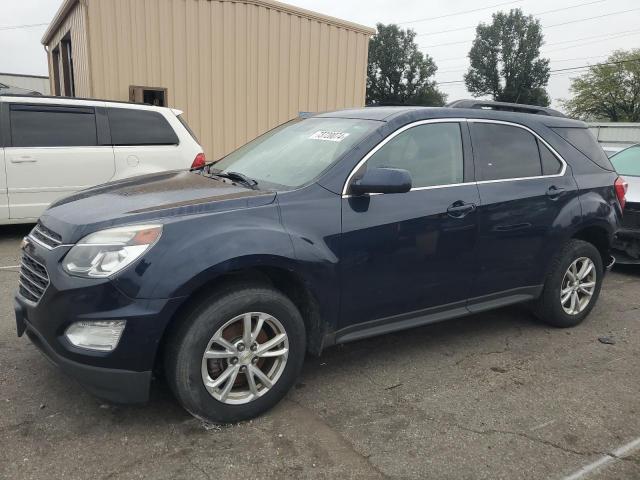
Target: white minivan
pixel 51 147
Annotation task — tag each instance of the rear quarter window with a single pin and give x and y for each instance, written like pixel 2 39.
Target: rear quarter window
pixel 550 163
pixel 139 127
pixel 583 140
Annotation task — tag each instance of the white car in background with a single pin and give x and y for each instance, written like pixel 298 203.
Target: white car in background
pixel 51 147
pixel 627 242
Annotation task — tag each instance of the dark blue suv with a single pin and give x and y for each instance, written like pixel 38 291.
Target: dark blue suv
pixel 325 230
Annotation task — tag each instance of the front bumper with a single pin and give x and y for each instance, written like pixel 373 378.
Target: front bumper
pixel 113 385
pixel 122 375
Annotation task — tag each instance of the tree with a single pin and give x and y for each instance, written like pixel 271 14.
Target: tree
pixel 505 60
pixel 399 73
pixel 610 91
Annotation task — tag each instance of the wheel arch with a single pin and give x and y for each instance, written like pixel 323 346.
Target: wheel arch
pixel 599 236
pixel 279 277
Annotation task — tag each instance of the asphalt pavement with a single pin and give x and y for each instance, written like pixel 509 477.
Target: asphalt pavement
pixel 491 396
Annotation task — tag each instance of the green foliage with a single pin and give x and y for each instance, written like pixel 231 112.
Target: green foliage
pixel 608 92
pixel 398 73
pixel 505 60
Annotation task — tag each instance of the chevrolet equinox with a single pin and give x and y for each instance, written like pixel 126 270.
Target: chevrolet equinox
pixel 328 229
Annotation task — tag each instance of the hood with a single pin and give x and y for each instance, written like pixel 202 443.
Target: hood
pixel 633 192
pixel 147 198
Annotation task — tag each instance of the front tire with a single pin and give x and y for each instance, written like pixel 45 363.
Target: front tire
pixel 572 286
pixel 237 354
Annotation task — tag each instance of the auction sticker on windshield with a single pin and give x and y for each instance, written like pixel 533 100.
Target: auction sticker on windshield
pixel 329 136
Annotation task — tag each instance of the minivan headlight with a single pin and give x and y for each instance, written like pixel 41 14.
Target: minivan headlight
pixel 106 252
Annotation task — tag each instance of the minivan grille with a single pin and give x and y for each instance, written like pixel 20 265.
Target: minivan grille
pixel 46 236
pixel 34 278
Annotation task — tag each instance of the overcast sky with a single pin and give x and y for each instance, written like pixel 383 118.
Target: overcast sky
pixel 567 44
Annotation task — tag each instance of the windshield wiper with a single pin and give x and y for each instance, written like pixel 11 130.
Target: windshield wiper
pixel 236 177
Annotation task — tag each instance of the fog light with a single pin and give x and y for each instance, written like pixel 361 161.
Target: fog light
pixel 102 335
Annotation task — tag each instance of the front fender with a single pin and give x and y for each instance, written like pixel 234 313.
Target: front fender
pixel 194 250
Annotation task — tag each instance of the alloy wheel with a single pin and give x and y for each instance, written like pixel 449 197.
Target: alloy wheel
pixel 245 358
pixel 578 286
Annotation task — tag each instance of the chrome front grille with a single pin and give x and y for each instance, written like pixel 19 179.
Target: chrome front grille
pixel 46 236
pixel 34 278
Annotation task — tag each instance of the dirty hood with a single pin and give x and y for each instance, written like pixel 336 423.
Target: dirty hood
pixel 147 198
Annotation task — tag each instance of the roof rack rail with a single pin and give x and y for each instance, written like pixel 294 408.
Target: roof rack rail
pixel 60 97
pixel 505 107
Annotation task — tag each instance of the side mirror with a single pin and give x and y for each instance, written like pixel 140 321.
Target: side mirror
pixel 382 180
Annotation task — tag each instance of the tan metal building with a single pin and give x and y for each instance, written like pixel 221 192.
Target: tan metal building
pixel 236 67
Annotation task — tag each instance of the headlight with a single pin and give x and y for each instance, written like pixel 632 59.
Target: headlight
pixel 106 252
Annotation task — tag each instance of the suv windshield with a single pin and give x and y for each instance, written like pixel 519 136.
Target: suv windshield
pixel 627 162
pixel 296 152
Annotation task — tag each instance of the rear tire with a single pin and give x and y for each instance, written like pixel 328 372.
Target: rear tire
pixel 217 327
pixel 566 298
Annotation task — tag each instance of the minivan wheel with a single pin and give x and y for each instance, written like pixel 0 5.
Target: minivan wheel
pixel 572 286
pixel 236 355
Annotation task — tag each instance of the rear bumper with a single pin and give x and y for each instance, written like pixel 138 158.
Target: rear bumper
pixel 113 385
pixel 626 246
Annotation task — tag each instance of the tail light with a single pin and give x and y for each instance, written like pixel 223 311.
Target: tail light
pixel 621 190
pixel 200 161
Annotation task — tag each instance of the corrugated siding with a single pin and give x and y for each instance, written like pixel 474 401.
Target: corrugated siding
pixel 236 69
pixel 76 24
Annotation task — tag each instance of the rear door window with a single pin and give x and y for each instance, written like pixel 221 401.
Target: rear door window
pixel 139 127
pixel 583 140
pixel 504 152
pixel 52 126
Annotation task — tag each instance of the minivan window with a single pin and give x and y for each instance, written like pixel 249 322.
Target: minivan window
pixel 432 153
pixel 139 127
pixel 52 126
pixel 297 152
pixel 627 161
pixel 584 141
pixel 504 151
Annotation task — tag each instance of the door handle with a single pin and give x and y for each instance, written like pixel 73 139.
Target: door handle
pixel 460 209
pixel 23 159
pixel 554 192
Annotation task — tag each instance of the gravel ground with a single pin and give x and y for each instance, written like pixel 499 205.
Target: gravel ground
pixel 492 396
